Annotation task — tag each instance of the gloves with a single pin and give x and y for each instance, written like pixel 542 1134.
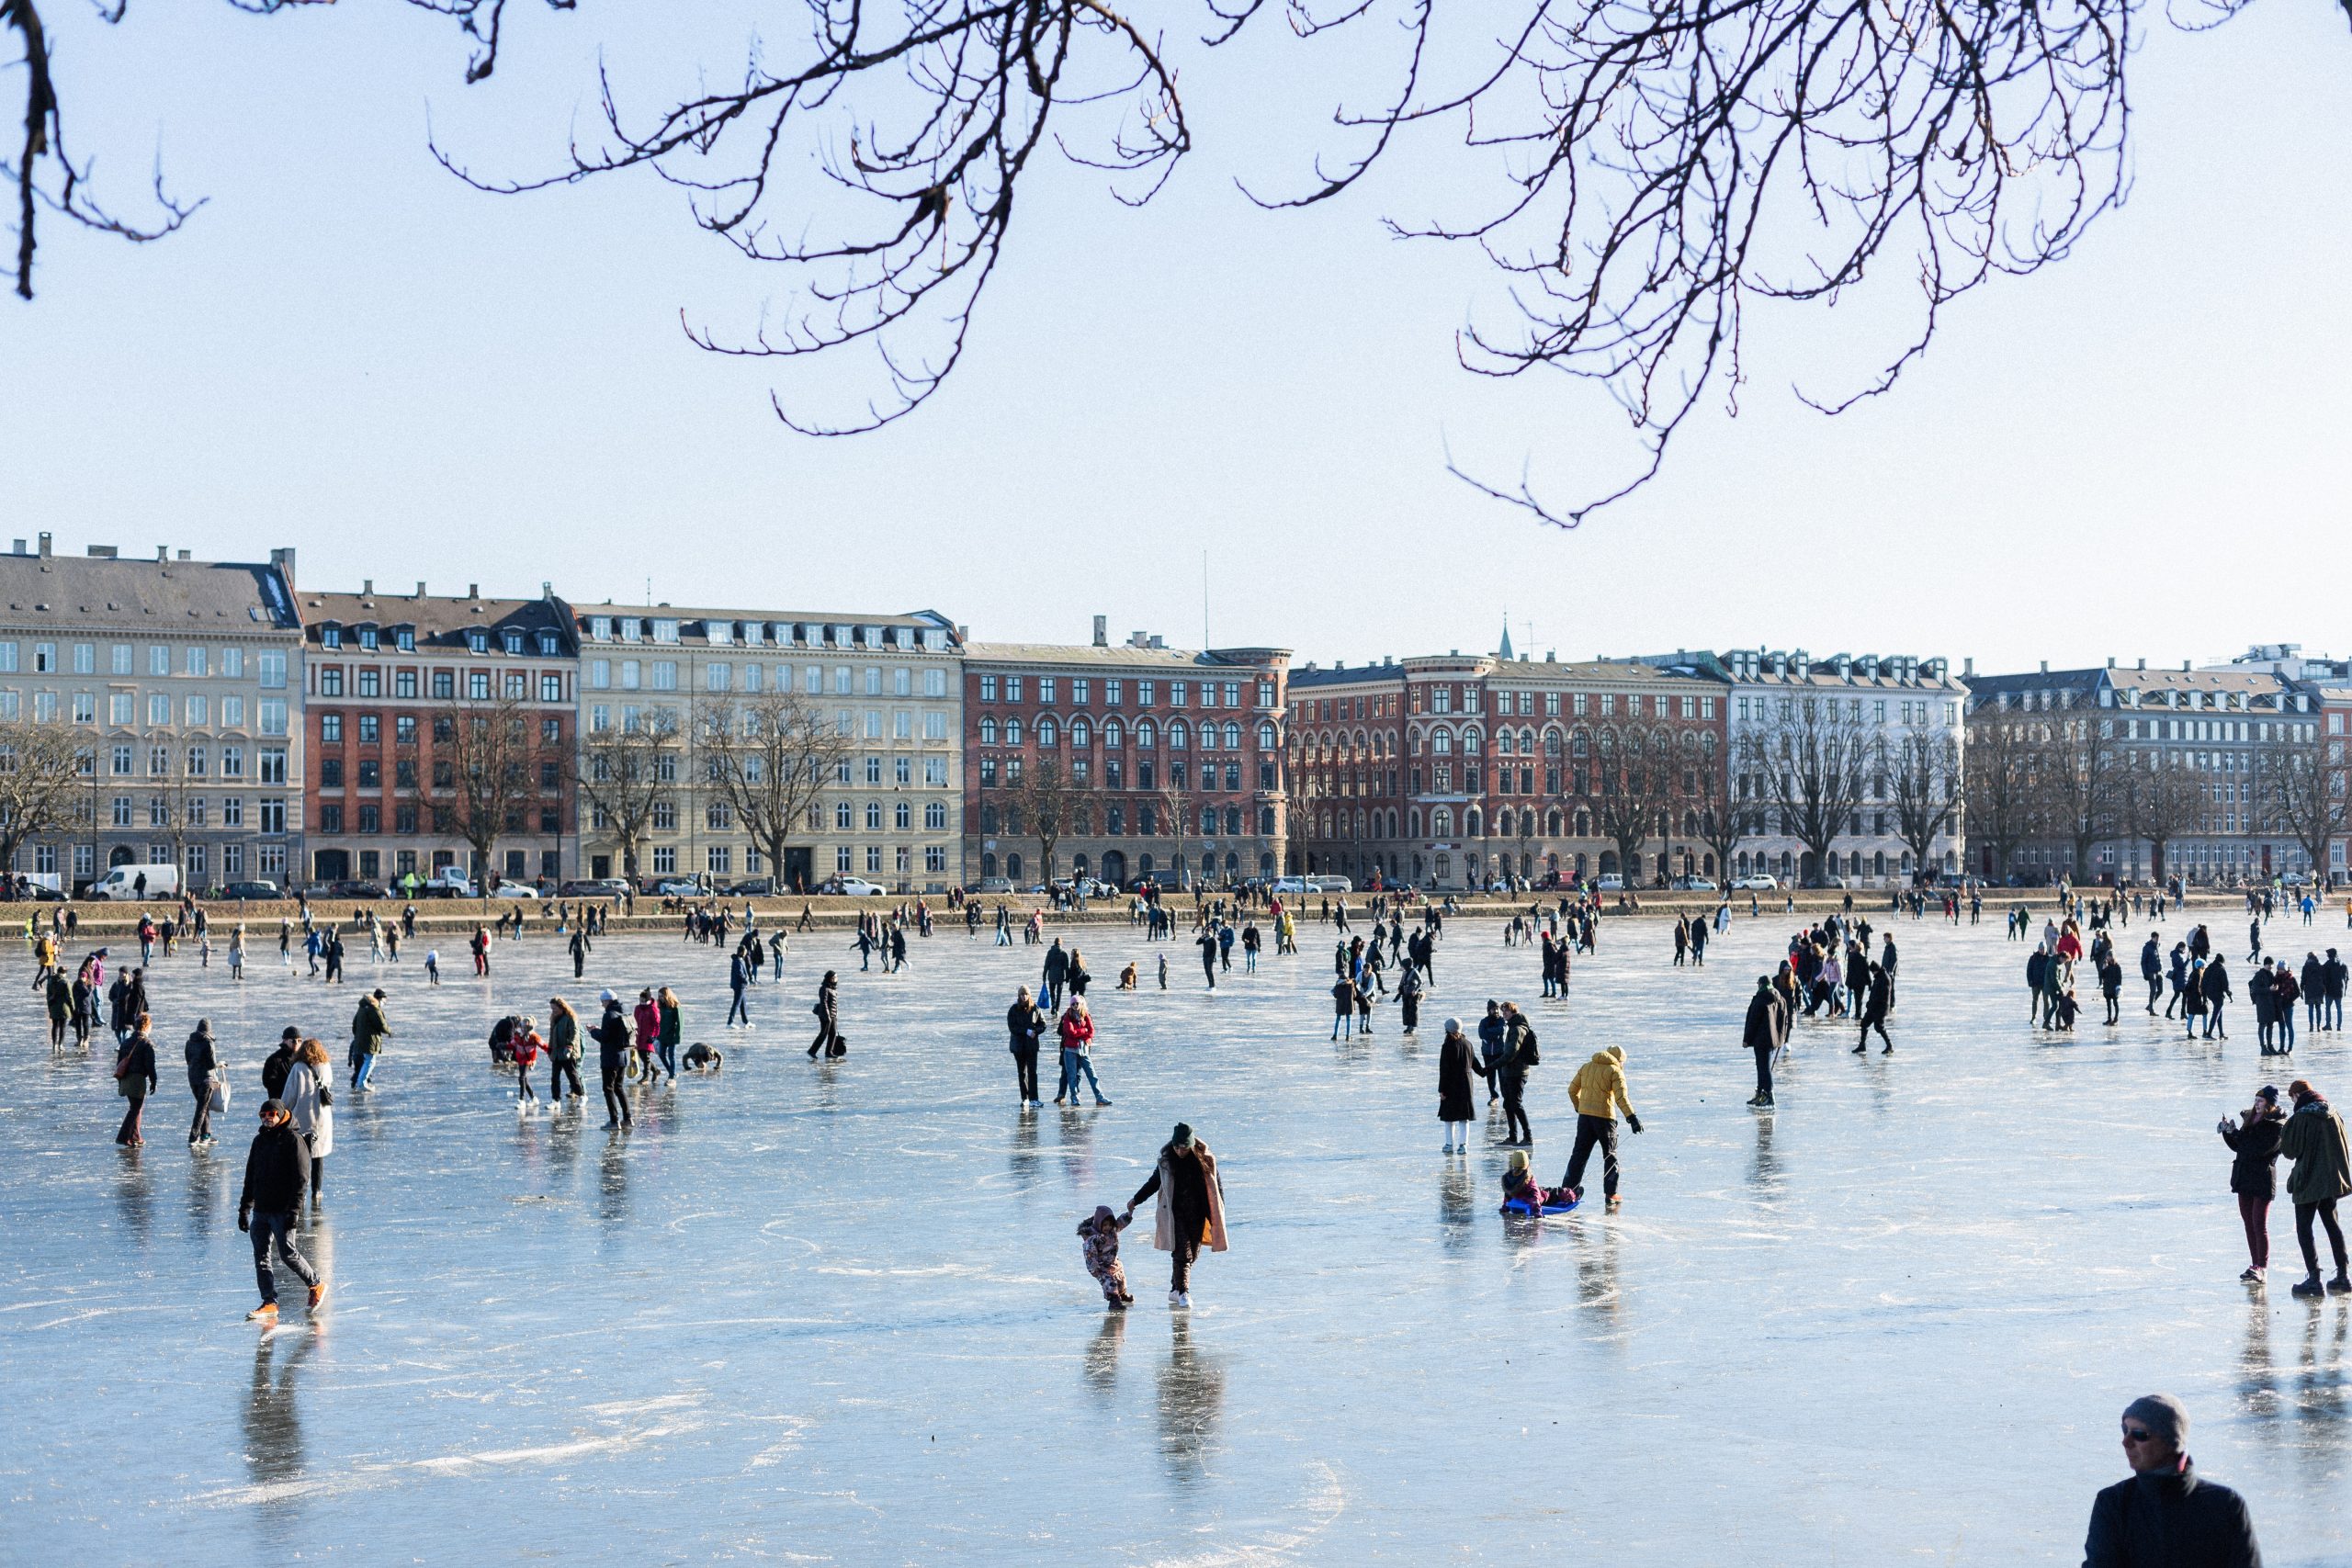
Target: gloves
pixel 1633 1122
pixel 244 1219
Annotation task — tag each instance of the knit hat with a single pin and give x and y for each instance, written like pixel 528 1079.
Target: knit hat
pixel 1453 1026
pixel 1519 1159
pixel 2267 1093
pixel 273 1107
pixel 1182 1137
pixel 2162 1414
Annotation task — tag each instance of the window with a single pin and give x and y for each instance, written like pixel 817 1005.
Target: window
pixel 665 675
pixel 874 860
pixel 717 676
pixel 719 859
pixel 120 708
pixel 270 668
pixel 665 860
pixel 550 687
pixel 232 762
pixel 159 707
pixel 85 706
pixel 935 815
pixel 444 684
pixel 371 681
pixel 873 815
pixel 988 688
pixel 272 715
pixel 272 763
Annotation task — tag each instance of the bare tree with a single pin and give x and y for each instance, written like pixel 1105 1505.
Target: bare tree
pixel 1048 805
pixel 626 776
pixel 1174 798
pixel 2000 797
pixel 40 783
pixel 2078 773
pixel 1640 175
pixel 1924 783
pixel 768 757
pixel 2299 790
pixel 1808 759
pixel 484 750
pixel 1725 819
pixel 2160 799
pixel 1627 790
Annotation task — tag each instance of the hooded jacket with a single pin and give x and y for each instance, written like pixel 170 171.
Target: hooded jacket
pixel 2177 1521
pixel 1599 1087
pixel 2313 1138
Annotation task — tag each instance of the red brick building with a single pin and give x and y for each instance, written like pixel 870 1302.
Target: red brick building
pixel 1456 770
pixel 1172 759
pixel 385 675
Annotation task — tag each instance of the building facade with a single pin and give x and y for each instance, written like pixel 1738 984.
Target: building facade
pixel 891 685
pixel 183 679
pixel 2216 729
pixel 387 680
pixel 1167 761
pixel 1459 771
pixel 1888 703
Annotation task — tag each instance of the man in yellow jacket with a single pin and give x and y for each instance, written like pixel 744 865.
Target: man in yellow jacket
pixel 1597 1090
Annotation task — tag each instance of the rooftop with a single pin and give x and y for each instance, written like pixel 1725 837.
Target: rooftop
pixel 101 591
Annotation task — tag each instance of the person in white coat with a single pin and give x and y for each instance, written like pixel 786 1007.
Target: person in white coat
pixel 309 1100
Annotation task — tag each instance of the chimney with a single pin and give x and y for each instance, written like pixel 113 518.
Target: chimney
pixel 2184 666
pixel 420 588
pixel 367 588
pixel 21 547
pixel 44 547
pixel 1967 668
pixel 2045 667
pixel 162 552
pixel 183 555
pixel 283 559
pixel 2144 664
pixel 1102 631
pixel 2110 662
pixel 473 590
pixel 546 589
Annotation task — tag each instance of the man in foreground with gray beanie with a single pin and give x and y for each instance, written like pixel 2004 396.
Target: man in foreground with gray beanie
pixel 2166 1516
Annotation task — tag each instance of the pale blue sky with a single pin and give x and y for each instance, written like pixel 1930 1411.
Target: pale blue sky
pixel 2142 452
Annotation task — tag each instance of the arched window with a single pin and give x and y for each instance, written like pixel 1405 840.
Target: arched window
pixel 1265 736
pixel 1584 825
pixel 1147 734
pixel 1441 822
pixel 1013 732
pixel 1208 734
pixel 1472 741
pixel 1414 818
pixel 988 732
pixel 1552 825
pixel 1179 735
pixel 1114 734
pixel 1232 736
pixel 988 866
pixel 987 819
pixel 1080 732
pixel 1472 822
pixel 873 816
pixel 1013 867
pixel 1505 742
pixel 1048 732
pixel 1442 742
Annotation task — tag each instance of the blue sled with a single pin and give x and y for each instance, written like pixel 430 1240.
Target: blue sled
pixel 1516 1206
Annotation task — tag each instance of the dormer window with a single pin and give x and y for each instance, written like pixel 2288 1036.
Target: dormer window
pixel 367 639
pixel 330 636
pixel 718 631
pixel 404 638
pixel 665 631
pixel 547 645
pixel 478 640
pixel 631 628
pixel 512 639
pixel 600 627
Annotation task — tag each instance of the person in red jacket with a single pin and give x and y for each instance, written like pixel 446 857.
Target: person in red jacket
pixel 648 1018
pixel 1077 1030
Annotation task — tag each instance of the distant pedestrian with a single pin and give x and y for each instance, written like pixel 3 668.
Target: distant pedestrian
pixel 134 1079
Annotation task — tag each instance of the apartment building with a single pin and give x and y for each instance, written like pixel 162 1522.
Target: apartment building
pixel 183 679
pixel 387 681
pixel 1453 771
pixel 1169 760
pixel 891 685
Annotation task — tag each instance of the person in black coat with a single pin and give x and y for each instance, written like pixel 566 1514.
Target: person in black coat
pixel 1025 1021
pixel 277 1169
pixel 1875 1009
pixel 2254 1173
pixel 279 1063
pixel 2165 1514
pixel 1455 1070
pixel 611 1036
pixel 2217 991
pixel 203 1061
pixel 1766 1028
pixel 829 1016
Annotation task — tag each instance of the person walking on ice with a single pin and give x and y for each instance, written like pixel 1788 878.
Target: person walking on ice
pixel 1598 1091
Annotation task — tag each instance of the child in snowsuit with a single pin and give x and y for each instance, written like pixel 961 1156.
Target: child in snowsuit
pixel 1099 1233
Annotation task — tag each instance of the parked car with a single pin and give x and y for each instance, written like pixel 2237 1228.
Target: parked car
pixel 858 887
pixel 1758 882
pixel 990 884
pixel 751 887
pixel 1289 884
pixel 1613 883
pixel 137 882
pixel 515 890
pixel 449 881
pixel 352 887
pixel 251 890
pixel 679 887
pixel 1695 884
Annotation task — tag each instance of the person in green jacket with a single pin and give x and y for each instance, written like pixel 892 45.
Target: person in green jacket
pixel 2314 1140
pixel 367 1031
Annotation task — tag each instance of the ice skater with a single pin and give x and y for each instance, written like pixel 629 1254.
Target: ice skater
pixel 1099 1234
pixel 277 1169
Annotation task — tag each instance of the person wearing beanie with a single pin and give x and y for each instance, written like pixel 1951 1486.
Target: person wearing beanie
pixel 1191 1212
pixel 2254 1174
pixel 2313 1138
pixel 2165 1514
pixel 1596 1091
pixel 1454 1072
pixel 278 1168
pixel 1766 1027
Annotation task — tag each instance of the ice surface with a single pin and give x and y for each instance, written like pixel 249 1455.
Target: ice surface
pixel 837 1313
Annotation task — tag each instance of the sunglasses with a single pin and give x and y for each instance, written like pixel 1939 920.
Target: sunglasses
pixel 2134 1435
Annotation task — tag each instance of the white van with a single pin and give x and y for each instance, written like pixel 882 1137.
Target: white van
pixel 137 882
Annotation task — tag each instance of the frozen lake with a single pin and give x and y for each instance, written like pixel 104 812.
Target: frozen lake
pixel 837 1313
